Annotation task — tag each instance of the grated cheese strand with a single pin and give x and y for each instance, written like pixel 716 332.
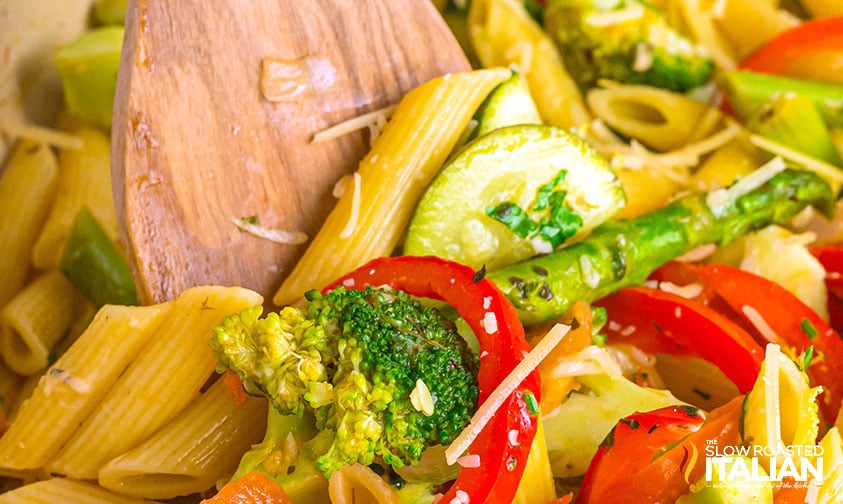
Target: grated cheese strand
pixel 49 136
pixel 506 387
pixel 274 235
pixel 758 321
pixel 373 118
pixel 348 230
pixel 689 291
pixel 719 199
pixel 772 400
pixel 813 164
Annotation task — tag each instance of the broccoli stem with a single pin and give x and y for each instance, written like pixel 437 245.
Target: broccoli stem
pixel 625 252
pixel 93 264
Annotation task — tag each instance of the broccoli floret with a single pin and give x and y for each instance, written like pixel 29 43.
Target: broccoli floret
pixel 384 374
pixel 627 41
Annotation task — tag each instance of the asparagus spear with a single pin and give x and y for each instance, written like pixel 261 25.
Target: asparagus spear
pixel 625 252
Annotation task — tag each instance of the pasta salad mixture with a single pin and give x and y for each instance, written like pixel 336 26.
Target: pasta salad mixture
pixel 605 267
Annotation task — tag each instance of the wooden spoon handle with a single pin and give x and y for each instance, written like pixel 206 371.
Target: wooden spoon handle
pixel 196 143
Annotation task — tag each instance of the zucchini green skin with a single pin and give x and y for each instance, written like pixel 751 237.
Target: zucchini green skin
pixel 625 252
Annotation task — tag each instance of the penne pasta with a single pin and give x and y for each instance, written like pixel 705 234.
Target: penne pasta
pixel 164 376
pixel 369 219
pixel 28 332
pixel 537 485
pixel 749 23
pixel 660 119
pixel 64 491
pixel 504 34
pixel 27 188
pixel 357 483
pixel 10 389
pixel 725 165
pixel 823 8
pixel 701 26
pixel 189 455
pixel 85 180
pixel 73 386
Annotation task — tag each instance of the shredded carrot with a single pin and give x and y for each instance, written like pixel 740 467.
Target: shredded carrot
pixel 235 388
pixel 565 499
pixel 554 390
pixel 253 488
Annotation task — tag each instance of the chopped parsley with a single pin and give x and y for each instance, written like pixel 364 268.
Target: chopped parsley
pixel 806 358
pixel 550 217
pixel 808 328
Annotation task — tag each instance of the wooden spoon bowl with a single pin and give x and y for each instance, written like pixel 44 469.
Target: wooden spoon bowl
pixel 196 143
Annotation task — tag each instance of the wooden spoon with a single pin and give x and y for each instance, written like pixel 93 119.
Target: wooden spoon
pixel 197 144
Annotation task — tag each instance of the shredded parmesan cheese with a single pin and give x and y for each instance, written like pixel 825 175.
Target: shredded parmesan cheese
pixel 772 401
pixel 719 199
pixel 55 376
pixel 589 360
pixel 490 323
pixel 368 120
pixel 461 498
pixel 590 276
pixel 421 399
pixel 689 291
pixel 43 135
pixel 699 253
pixel 355 208
pixel 758 321
pixel 506 387
pixel 643 57
pixel 672 164
pixel 603 19
pixel 821 168
pixel 276 235
pixel 469 461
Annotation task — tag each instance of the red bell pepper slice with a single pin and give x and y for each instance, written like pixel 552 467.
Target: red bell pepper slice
pixel 655 456
pixel 657 321
pixel 252 488
pixel 502 346
pixel 831 257
pixel 811 50
pixel 794 323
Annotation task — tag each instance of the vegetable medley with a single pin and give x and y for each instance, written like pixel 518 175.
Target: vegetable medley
pixel 625 284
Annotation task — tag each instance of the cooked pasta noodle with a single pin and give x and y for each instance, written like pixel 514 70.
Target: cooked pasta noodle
pixel 823 8
pixel 422 132
pixel 701 26
pixel 74 386
pixel 537 485
pixel 165 375
pixel 10 388
pixel 28 333
pixel 65 491
pixel 190 454
pixel 47 136
pixel 749 23
pixel 85 180
pixel 132 409
pixel 660 119
pixel 27 188
pixel 358 484
pixel 503 34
